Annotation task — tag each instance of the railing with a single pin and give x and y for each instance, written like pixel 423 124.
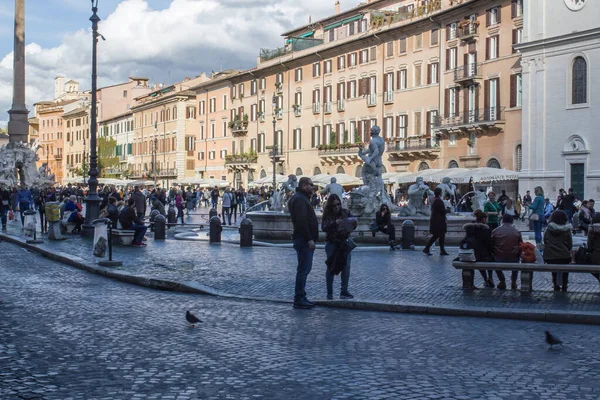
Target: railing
pixel 58 156
pixel 388 97
pixel 261 117
pixel 238 159
pixel 337 150
pixel 467 71
pixel 411 144
pixel 327 107
pixel 316 108
pixel 468 31
pixel 341 105
pixel 296 44
pixel 167 172
pixel 112 171
pixel 371 99
pixel 279 114
pixel 489 114
pixel 298 111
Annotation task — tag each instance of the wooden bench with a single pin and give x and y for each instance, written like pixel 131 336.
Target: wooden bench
pixel 122 237
pixel 526 269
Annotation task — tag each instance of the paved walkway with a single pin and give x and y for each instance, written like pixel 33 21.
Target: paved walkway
pixel 378 276
pixel 69 335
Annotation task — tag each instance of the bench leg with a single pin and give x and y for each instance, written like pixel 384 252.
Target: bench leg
pixel 468 278
pixel 526 281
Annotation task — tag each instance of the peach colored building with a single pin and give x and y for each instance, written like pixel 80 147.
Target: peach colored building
pixel 439 77
pixel 76 152
pixel 51 134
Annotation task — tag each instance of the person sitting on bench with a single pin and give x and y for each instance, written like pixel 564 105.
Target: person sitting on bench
pixel 129 221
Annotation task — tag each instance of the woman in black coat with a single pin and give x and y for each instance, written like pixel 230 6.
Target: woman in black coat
pixel 384 224
pixel 437 223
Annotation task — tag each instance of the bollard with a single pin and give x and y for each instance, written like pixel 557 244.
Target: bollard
pixel 30 227
pixel 408 235
pixel 160 227
pixel 53 217
pixel 212 213
pixel 172 215
pixel 215 230
pixel 102 241
pixel 153 215
pixel 246 234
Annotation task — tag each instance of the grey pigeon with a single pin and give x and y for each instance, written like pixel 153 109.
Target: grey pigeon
pixel 552 340
pixel 192 319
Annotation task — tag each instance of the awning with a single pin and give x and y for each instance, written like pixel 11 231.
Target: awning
pixel 331 26
pixel 307 34
pixel 458 175
pixel 352 19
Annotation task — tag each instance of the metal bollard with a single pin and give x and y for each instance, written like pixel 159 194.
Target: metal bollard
pixel 172 215
pixel 215 230
pixel 408 235
pixel 153 215
pixel 246 232
pixel 212 213
pixel 160 227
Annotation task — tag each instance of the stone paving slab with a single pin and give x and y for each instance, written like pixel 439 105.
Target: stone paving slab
pixel 378 276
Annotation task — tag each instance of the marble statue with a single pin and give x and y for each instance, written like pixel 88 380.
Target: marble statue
pixel 479 200
pixel 334 188
pixel 367 199
pixel 416 204
pixel 448 188
pixel 278 201
pixel 17 166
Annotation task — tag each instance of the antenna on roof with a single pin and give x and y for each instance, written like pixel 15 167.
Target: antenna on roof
pixel 310 19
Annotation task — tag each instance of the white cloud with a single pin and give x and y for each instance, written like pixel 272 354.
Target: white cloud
pixel 189 37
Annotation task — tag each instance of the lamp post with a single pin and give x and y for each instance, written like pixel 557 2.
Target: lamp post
pixel 92 201
pixel 274 143
pixel 154 163
pixel 83 163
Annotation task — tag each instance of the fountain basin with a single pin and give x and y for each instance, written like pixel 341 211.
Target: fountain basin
pixel 277 226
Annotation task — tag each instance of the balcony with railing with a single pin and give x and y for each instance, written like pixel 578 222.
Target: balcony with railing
pixel 388 97
pixel 167 173
pixel 372 99
pixel 468 73
pixel 341 105
pixel 468 31
pixel 347 152
pixel 418 147
pixel 297 110
pixel 242 161
pixel 327 107
pixel 296 44
pixel 58 156
pixel 478 120
pixel 239 127
pixel 316 108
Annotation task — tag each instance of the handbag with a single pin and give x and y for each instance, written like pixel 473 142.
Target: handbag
pixel 583 255
pixel 350 244
pixel 535 217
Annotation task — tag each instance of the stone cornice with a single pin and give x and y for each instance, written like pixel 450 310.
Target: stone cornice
pixel 559 40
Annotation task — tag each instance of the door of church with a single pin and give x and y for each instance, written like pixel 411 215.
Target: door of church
pixel 577 180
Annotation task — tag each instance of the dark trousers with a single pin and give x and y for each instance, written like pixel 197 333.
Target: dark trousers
pixel 226 215
pixel 305 260
pixel 500 274
pixel 23 207
pixel 140 231
pixel 442 239
pixel 3 212
pixel 42 220
pixel 180 214
pixel 391 232
pixel 329 249
pixel 565 275
pixel 140 216
pixel 234 209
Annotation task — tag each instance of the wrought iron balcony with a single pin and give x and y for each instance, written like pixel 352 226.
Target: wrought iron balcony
pixel 469 31
pixel 316 108
pixel 240 161
pixel 476 120
pixel 371 99
pixel 388 97
pixel 342 152
pixel 167 173
pixel 327 107
pixel 298 110
pixel 401 149
pixel 341 105
pixel 467 74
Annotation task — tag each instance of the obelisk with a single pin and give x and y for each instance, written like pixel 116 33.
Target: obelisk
pixel 18 125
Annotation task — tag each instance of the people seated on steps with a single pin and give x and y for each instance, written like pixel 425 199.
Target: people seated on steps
pixel 129 220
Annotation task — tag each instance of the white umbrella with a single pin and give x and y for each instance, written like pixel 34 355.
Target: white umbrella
pixel 211 182
pixel 487 174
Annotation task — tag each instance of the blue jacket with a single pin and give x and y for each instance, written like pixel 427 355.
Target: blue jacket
pixel 538 205
pixel 24 196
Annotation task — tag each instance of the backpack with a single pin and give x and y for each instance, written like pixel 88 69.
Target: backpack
pixel 527 252
pixel 466 250
pixel 583 255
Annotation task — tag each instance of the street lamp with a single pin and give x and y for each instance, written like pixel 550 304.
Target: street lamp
pixel 274 143
pixel 154 163
pixel 83 162
pixel 92 201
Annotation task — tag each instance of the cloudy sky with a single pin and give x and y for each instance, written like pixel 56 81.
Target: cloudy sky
pixel 164 40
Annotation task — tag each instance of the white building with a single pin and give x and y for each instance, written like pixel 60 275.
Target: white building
pixel 561 84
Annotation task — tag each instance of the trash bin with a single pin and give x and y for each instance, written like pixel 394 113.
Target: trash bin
pixel 172 215
pixel 100 237
pixel 53 216
pixel 408 235
pixel 29 222
pixel 246 232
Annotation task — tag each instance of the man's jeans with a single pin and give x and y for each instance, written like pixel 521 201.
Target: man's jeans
pixel 215 203
pixel 3 212
pixel 500 274
pixel 305 260
pixel 569 213
pixel 329 249
pixel 140 231
pixel 140 215
pixel 226 215
pixel 537 227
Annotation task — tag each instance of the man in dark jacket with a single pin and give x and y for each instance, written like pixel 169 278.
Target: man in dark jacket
pixel 506 241
pixel 140 203
pixel 568 201
pixel 4 206
pixel 214 197
pixel 306 233
pixel 437 223
pixel 129 221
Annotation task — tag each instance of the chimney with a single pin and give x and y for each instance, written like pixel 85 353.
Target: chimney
pixel 337 7
pixel 59 86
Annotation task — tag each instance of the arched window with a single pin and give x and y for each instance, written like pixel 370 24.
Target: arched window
pixel 340 170
pixel 423 166
pixel 452 164
pixel 316 171
pixel 579 81
pixel 358 173
pixel 519 158
pixel 263 173
pixel 493 163
pixel 299 171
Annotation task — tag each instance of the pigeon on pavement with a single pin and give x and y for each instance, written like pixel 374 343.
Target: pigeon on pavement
pixel 192 319
pixel 552 340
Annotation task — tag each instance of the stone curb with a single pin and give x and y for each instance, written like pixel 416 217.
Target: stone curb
pixel 427 309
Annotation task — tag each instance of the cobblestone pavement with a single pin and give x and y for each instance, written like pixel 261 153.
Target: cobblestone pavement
pixel 66 334
pixel 376 275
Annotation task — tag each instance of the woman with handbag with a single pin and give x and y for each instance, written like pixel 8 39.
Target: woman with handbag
pixel 338 224
pixel 537 215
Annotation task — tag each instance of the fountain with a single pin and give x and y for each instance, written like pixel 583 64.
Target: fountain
pixel 18 166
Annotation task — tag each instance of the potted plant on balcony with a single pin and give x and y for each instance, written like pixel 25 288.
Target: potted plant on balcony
pixel 245 120
pixel 470 143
